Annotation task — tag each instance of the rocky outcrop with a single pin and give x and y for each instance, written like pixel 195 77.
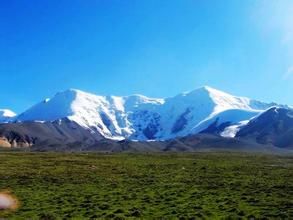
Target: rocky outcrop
pixel 16 142
pixel 4 142
pixel 37 134
pixel 273 127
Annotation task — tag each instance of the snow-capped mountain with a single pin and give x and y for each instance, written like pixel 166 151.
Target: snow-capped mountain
pixel 110 116
pixel 138 117
pixel 6 115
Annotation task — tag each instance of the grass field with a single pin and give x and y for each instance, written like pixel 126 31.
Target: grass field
pixel 119 186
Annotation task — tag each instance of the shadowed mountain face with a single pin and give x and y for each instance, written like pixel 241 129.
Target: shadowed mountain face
pixel 274 127
pixel 49 134
pixel 65 135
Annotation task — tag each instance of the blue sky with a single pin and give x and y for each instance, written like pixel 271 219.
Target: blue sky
pixel 151 47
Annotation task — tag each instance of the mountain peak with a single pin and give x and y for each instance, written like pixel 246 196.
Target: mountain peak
pixel 219 99
pixel 205 87
pixel 212 90
pixel 207 90
pixel 70 91
pixel 6 115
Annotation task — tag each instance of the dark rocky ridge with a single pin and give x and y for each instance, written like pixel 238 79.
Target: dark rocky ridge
pixel 57 133
pixel 65 135
pixel 273 127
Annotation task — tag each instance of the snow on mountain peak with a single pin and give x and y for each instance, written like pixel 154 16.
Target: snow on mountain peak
pixel 6 115
pixel 220 100
pixel 139 117
pixel 50 109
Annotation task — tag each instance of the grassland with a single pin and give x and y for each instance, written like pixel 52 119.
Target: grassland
pixel 119 186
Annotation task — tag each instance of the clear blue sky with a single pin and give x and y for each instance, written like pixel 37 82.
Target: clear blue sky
pixel 157 48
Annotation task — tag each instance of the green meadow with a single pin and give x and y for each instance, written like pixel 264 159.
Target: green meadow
pixel 148 186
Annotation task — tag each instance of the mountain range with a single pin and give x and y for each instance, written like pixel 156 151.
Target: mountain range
pixel 74 119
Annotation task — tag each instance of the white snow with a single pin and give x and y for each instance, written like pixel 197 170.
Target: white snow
pixel 231 131
pixel 6 115
pixel 138 117
pixel 231 116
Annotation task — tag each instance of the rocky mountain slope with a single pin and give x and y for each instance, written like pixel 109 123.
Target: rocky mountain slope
pixel 66 135
pixel 59 133
pixel 273 127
